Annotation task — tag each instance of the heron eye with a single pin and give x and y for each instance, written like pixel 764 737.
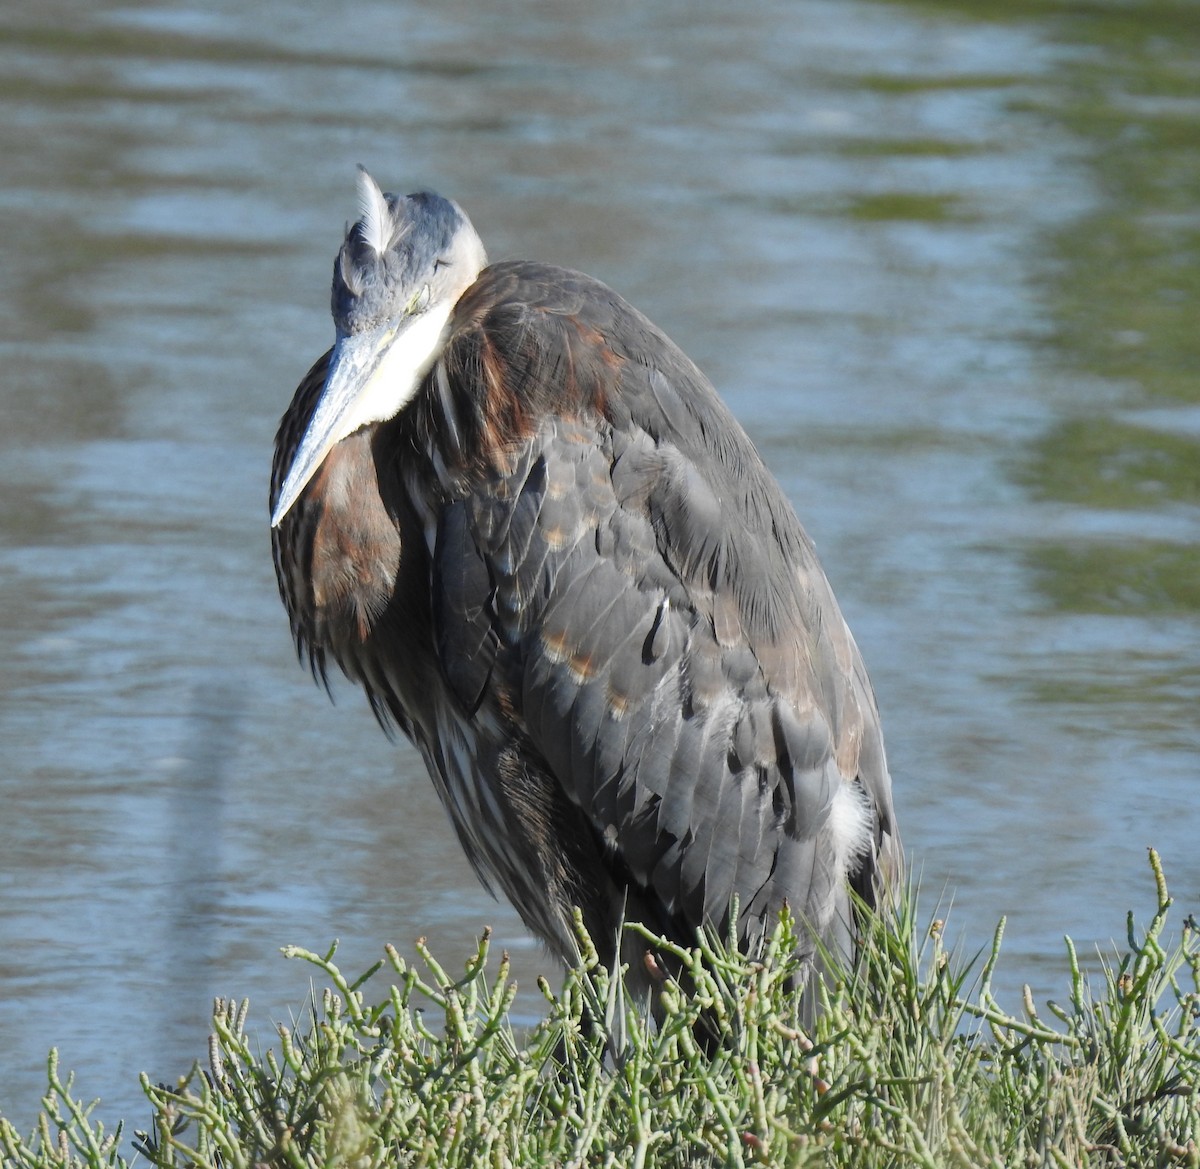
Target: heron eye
pixel 420 301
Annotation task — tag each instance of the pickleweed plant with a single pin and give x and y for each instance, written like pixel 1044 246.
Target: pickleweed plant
pixel 905 1058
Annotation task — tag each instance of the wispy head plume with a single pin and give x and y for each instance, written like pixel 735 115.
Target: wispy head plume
pixel 374 215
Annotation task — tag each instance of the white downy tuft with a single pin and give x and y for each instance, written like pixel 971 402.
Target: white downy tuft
pixel 374 214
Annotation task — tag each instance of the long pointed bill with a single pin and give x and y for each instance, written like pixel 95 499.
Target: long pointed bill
pixel 372 376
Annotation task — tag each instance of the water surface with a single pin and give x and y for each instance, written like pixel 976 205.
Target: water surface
pixel 944 270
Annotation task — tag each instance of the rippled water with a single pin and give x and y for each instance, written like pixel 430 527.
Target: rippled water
pixel 945 272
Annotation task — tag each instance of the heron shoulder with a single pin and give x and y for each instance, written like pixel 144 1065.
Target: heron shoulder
pixel 531 341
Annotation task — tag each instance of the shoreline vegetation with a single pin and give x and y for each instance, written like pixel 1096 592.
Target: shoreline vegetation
pixel 911 1061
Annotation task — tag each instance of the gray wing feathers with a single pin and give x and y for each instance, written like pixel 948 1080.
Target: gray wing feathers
pixel 463 620
pixel 660 630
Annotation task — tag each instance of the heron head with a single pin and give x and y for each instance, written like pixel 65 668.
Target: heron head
pixel 398 275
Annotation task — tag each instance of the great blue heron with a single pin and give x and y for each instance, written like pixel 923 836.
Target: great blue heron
pixel 523 520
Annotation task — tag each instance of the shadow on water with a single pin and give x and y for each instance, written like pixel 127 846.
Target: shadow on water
pixel 196 813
